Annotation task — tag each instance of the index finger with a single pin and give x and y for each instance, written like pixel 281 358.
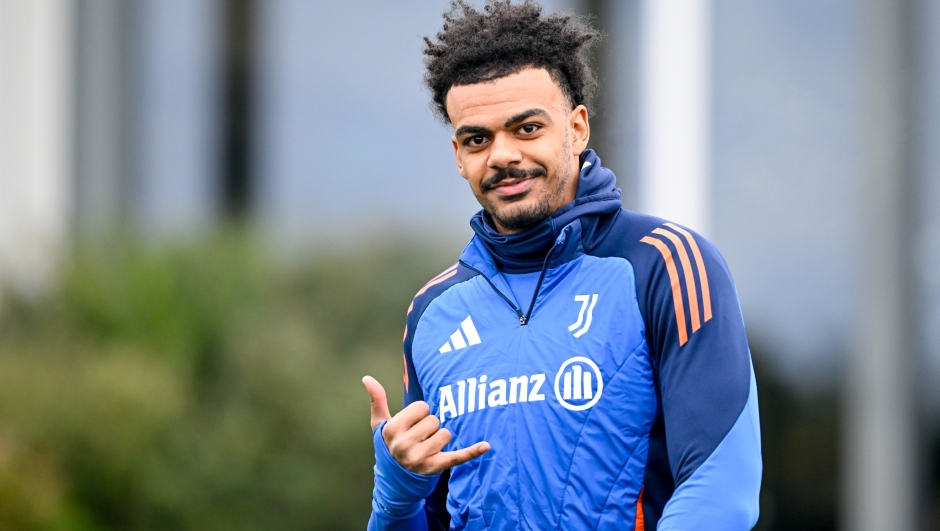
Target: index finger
pixel 412 414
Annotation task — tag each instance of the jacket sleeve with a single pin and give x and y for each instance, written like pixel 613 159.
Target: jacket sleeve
pixel 709 397
pixel 418 503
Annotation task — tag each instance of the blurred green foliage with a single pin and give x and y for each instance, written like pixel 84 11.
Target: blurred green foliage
pixel 200 386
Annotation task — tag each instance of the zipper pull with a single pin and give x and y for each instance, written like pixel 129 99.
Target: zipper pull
pixel 523 320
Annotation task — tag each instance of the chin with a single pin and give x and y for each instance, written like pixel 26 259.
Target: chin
pixel 521 216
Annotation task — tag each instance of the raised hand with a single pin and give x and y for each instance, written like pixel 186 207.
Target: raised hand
pixel 414 437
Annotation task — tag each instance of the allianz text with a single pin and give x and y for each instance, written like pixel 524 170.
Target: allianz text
pixel 475 394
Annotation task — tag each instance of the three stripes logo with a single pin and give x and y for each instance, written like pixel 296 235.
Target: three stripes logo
pixel 460 340
pixel 692 282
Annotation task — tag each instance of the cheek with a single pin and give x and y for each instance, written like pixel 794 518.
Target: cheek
pixel 474 169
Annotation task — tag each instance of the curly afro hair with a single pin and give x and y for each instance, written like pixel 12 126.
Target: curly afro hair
pixel 503 39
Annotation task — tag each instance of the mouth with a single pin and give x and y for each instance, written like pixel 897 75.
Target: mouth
pixel 508 188
pixel 511 183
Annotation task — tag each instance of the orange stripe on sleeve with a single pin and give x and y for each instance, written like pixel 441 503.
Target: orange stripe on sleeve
pixel 444 272
pixel 444 275
pixel 676 287
pixel 437 280
pixel 405 377
pixel 689 277
pixel 706 295
pixel 640 525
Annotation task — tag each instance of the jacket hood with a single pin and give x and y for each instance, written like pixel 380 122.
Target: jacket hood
pixel 525 252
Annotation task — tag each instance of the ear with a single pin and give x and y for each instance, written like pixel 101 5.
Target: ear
pixel 580 128
pixel 453 141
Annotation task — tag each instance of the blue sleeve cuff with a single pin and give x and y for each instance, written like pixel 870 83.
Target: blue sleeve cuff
pixel 399 493
pixel 418 522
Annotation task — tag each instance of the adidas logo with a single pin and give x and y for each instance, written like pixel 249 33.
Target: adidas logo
pixel 457 340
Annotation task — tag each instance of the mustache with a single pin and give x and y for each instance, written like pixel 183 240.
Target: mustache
pixel 510 173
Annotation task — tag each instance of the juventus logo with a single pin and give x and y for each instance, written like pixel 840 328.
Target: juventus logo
pixel 587 303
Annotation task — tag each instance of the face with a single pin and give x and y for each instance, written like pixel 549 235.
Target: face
pixel 517 142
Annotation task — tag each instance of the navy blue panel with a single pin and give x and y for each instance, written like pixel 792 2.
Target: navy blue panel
pixel 704 382
pixel 724 493
pixel 658 484
pixel 428 293
pixel 435 506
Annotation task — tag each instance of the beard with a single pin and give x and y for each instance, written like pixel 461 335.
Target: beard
pixel 520 213
pixel 518 217
pixel 530 208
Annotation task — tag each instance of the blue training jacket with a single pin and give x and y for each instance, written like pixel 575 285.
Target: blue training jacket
pixel 603 356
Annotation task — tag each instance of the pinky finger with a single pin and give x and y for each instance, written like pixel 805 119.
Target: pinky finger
pixel 444 460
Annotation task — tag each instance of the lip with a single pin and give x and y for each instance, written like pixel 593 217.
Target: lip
pixel 513 187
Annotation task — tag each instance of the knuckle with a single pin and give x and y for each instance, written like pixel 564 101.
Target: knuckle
pixel 395 448
pixel 410 461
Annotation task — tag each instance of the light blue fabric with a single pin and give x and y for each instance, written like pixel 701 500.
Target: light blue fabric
pixel 562 454
pixel 723 493
pixel 522 287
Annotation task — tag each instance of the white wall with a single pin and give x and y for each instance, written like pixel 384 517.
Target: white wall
pixel 675 111
pixel 35 139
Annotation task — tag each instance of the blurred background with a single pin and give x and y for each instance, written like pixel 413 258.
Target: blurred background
pixel 214 213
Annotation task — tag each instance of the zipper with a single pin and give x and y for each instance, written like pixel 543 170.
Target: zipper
pixel 538 287
pixel 523 317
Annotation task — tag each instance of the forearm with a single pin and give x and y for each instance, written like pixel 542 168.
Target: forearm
pixel 380 522
pixel 398 496
pixel 723 493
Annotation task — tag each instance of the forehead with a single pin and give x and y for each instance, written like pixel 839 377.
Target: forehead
pixel 493 102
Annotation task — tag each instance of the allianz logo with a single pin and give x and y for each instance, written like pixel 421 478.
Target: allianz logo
pixel 578 386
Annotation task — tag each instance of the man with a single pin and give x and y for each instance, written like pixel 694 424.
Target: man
pixel 581 366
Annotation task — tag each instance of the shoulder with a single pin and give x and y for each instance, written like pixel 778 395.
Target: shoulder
pixel 435 287
pixel 681 279
pixel 661 252
pixel 651 243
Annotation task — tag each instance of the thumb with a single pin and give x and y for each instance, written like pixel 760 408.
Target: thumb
pixel 379 402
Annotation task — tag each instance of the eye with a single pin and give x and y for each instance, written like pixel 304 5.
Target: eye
pixel 528 129
pixel 475 141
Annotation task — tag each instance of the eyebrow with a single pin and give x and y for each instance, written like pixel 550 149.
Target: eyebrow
pixel 479 130
pixel 471 130
pixel 525 115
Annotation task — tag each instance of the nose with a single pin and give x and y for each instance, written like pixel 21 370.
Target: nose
pixel 504 152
